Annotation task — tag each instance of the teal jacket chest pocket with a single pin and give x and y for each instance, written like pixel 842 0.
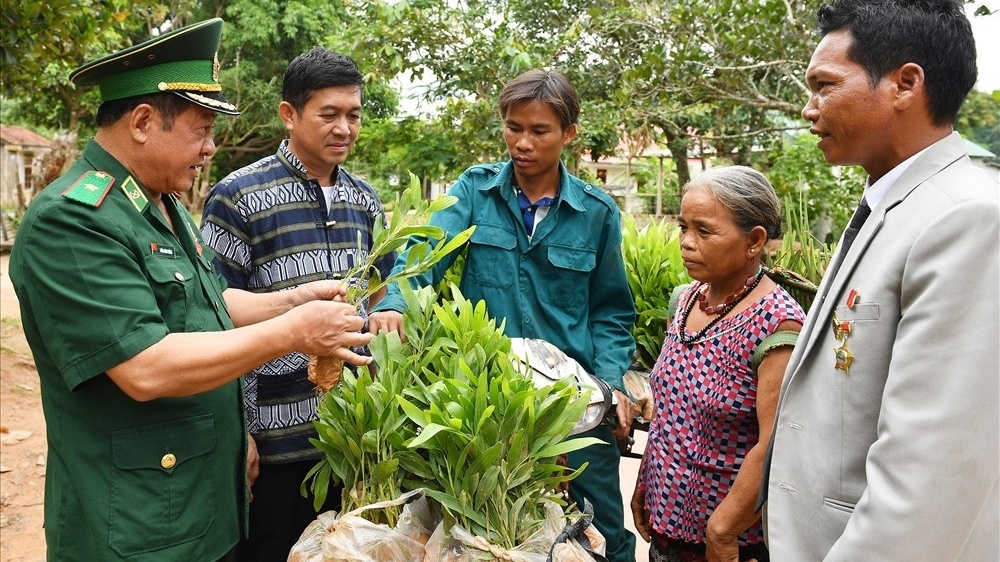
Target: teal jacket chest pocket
pixel 568 286
pixel 162 485
pixel 491 261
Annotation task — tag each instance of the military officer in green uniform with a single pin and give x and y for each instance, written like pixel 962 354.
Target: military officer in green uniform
pixel 132 331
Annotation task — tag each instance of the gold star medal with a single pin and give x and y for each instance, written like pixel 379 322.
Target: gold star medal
pixel 844 358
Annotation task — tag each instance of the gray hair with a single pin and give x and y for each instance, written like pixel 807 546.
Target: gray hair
pixel 746 193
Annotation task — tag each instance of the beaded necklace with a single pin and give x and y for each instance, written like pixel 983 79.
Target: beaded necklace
pixel 726 309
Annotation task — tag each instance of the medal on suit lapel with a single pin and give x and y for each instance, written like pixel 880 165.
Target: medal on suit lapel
pixel 841 329
pixel 842 332
pixel 852 298
pixel 844 358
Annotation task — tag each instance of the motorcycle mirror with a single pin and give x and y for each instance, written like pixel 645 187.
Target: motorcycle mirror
pixel 546 363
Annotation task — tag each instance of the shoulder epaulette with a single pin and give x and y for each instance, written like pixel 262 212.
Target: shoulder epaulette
pixel 484 169
pixel 600 195
pixel 91 188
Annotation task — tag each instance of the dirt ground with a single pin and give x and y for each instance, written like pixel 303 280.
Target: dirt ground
pixel 22 443
pixel 22 438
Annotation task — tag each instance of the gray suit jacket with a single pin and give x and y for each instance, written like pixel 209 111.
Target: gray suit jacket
pixel 900 458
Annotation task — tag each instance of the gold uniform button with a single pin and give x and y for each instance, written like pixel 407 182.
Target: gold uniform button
pixel 179 276
pixel 168 460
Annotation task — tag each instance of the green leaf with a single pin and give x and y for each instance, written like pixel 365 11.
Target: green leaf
pixel 384 471
pixel 570 446
pixel 427 434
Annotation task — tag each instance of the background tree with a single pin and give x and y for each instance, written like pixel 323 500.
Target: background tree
pixel 799 173
pixel 686 70
pixel 719 79
pixel 979 120
pixel 44 41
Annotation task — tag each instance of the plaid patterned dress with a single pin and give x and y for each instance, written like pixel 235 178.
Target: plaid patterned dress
pixel 705 422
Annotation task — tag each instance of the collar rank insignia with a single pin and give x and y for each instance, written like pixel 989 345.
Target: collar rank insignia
pixel 135 194
pixel 91 188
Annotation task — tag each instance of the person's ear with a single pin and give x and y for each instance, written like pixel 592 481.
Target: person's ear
pixel 287 114
pixel 569 134
pixel 140 120
pixel 758 238
pixel 908 85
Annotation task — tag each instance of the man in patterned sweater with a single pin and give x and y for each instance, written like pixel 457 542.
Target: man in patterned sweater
pixel 287 219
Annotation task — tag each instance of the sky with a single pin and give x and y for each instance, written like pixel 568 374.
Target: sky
pixel 987 32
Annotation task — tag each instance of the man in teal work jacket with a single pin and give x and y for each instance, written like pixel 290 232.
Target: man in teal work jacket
pixel 546 256
pixel 133 332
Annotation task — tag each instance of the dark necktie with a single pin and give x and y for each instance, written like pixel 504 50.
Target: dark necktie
pixel 857 221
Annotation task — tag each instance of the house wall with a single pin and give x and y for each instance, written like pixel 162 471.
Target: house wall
pixel 616 182
pixel 12 174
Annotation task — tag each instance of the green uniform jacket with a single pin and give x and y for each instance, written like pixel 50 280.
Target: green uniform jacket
pixel 566 285
pixel 101 277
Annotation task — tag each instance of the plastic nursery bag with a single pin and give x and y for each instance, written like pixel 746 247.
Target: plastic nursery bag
pixel 352 538
pixel 461 546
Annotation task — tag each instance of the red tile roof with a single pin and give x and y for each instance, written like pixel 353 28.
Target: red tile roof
pixel 15 134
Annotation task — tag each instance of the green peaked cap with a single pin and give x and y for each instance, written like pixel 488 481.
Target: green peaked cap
pixel 183 61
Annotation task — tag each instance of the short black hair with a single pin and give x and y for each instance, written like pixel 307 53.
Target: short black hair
pixel 934 34
pixel 315 70
pixel 546 86
pixel 169 105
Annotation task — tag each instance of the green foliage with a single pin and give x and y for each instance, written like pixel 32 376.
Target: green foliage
pixel 44 41
pixel 696 73
pixel 801 254
pixel 408 220
pixel 800 251
pixel 654 267
pixel 979 120
pixel 389 148
pixel 800 174
pixel 692 74
pixel 450 413
pixel 361 430
pixel 489 435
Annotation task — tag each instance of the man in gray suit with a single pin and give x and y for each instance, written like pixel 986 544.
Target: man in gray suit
pixel 885 444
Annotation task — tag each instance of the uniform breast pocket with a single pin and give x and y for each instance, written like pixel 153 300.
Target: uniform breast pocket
pixel 163 484
pixel 170 280
pixel 568 286
pixel 490 262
